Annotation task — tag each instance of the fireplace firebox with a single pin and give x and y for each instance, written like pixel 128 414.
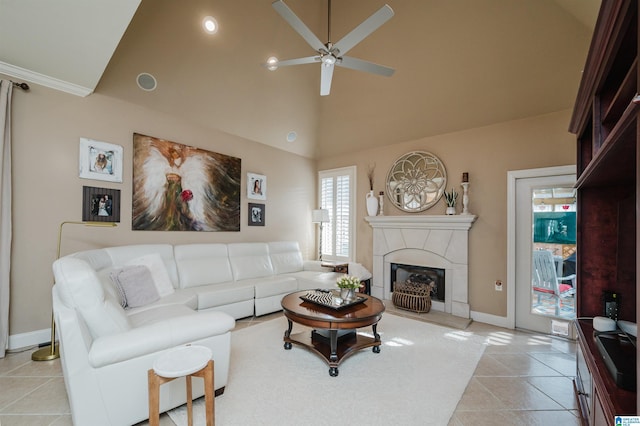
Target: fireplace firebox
pixel 432 277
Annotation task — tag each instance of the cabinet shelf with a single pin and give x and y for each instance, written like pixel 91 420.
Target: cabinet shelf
pixel 623 402
pixel 614 162
pixel 623 96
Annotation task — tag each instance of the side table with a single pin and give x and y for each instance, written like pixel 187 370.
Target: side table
pixel 184 361
pixel 343 268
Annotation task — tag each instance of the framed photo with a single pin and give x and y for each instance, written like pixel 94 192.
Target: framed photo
pixel 256 214
pixel 100 204
pixel 256 186
pixel 100 160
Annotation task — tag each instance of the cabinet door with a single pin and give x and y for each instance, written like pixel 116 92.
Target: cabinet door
pixel 584 384
pixel 599 418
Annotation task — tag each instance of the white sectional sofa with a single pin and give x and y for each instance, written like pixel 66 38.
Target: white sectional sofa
pixel 106 349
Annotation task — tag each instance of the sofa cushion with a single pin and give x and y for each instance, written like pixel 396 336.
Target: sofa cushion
pixel 273 286
pixel 184 297
pixel 79 288
pixel 161 279
pixel 202 264
pixel 211 296
pixel 135 285
pixel 98 258
pixel 158 313
pixel 285 257
pixel 308 280
pixel 161 330
pixel 249 260
pixel 122 255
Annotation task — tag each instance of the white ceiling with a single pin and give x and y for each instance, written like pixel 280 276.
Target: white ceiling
pixel 63 44
pixel 459 63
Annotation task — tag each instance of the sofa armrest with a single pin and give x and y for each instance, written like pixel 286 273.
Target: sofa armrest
pixel 316 266
pixel 158 336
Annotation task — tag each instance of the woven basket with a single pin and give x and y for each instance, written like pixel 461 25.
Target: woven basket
pixel 412 297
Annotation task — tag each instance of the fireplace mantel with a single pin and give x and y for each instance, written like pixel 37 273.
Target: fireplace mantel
pixel 461 221
pixel 424 240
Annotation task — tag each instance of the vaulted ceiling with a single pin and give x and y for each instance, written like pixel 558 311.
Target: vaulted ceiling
pixel 459 63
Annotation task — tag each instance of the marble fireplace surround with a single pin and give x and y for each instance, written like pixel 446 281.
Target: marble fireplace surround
pixel 437 241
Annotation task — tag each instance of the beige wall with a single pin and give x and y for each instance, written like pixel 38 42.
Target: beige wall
pixel 487 154
pixel 47 126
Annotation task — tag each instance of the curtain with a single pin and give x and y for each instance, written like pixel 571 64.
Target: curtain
pixel 6 88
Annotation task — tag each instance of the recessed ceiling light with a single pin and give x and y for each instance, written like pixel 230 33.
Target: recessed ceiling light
pixel 272 63
pixel 146 82
pixel 292 136
pixel 210 25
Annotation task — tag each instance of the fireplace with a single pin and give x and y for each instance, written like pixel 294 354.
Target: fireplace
pixel 432 241
pixel 420 275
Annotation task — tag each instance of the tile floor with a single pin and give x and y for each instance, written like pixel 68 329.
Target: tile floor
pixel 522 378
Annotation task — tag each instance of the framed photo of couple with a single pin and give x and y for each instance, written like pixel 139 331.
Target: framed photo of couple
pixel 256 214
pixel 100 204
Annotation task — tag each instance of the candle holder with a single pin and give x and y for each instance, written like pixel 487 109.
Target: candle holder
pixel 465 198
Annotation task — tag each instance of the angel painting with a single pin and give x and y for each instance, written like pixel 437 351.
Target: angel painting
pixel 182 188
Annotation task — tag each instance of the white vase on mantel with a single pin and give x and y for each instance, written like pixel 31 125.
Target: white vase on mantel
pixel 450 211
pixel 372 204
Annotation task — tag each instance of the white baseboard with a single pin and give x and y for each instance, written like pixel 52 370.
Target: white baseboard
pixel 490 319
pixel 32 338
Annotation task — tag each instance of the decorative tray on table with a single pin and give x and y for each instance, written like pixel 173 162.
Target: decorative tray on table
pixel 330 299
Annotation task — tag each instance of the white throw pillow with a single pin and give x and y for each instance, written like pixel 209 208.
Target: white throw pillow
pixel 136 286
pixel 158 272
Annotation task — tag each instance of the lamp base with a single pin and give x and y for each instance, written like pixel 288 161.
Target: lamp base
pixel 46 353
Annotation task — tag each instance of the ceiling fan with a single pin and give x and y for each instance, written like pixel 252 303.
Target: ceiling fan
pixel 331 54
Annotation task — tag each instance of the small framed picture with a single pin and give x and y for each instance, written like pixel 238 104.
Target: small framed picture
pixel 100 160
pixel 100 204
pixel 256 186
pixel 256 214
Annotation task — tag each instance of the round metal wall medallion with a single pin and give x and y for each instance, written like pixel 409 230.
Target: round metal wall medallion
pixel 416 181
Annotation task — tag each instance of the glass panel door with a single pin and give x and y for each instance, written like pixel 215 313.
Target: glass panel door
pixel 545 245
pixel 553 279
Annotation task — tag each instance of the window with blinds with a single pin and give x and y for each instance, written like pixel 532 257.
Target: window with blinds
pixel 336 194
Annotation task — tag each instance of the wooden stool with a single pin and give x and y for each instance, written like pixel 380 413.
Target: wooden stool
pixel 188 361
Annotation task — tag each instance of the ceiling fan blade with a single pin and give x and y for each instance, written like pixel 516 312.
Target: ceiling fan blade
pixel 325 79
pixel 360 65
pixel 297 61
pixel 297 24
pixel 358 34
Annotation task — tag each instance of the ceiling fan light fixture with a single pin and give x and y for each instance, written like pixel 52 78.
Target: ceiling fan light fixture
pixel 272 63
pixel 328 60
pixel 210 25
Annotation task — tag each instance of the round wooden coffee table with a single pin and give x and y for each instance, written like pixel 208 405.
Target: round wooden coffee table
pixel 334 336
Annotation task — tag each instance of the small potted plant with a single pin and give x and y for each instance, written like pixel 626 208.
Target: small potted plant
pixel 348 285
pixel 450 198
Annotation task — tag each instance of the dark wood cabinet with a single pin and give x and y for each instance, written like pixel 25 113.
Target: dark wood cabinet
pixel 605 121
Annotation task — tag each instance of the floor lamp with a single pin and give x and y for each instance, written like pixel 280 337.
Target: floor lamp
pixel 49 352
pixel 320 216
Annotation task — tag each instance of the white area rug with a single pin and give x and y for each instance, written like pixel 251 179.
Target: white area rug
pixel 417 379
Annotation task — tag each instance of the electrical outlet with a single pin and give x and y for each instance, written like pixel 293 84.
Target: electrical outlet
pixel 498 285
